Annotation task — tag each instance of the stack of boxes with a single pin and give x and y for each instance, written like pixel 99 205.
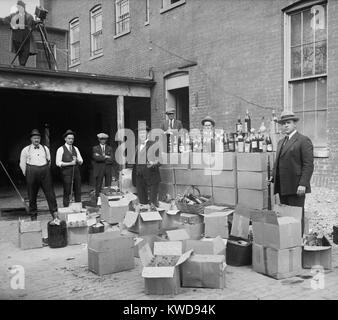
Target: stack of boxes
pixel 252 179
pixel 30 234
pixel 277 247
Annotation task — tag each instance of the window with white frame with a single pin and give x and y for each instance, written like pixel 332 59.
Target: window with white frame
pixel 306 69
pixel 96 43
pixel 122 16
pixel 147 12
pixel 74 41
pixel 170 4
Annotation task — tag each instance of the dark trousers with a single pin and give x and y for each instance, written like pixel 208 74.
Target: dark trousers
pixel 68 174
pixel 147 193
pixel 37 177
pixel 295 201
pixel 24 53
pixel 107 173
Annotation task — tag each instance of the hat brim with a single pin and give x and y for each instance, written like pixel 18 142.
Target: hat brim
pixel 35 134
pixel 287 119
pixel 212 121
pixel 68 133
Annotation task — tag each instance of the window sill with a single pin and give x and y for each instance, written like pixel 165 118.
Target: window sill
pixel 99 55
pixel 121 34
pixel 74 65
pixel 172 6
pixel 321 152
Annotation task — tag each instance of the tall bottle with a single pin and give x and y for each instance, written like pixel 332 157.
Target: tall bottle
pixel 268 142
pixel 247 144
pixel 226 142
pixel 239 126
pixel 254 142
pixel 262 128
pixel 247 123
pixel 260 141
pixel 232 147
pixel 240 142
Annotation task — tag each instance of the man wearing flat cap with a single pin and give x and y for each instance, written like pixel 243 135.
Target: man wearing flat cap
pixel 35 166
pixel 21 23
pixel 293 166
pixel 103 163
pixel 68 158
pixel 208 134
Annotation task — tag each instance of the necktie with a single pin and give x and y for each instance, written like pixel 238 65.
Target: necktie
pixel 286 139
pixel 71 149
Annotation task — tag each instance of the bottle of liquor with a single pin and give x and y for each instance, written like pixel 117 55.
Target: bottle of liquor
pixel 232 147
pixel 268 142
pixel 239 125
pixel 274 122
pixel 175 144
pixel 226 142
pixel 260 141
pixel 262 128
pixel 240 142
pixel 254 142
pixel 247 122
pixel 247 144
pixel 181 144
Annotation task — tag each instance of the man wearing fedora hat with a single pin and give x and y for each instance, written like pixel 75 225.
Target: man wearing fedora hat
pixel 293 166
pixel 35 166
pixel 68 158
pixel 171 123
pixel 103 163
pixel 208 140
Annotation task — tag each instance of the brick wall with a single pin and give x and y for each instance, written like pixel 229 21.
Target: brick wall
pixel 238 48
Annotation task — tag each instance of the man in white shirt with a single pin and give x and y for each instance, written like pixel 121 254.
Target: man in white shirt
pixel 35 166
pixel 68 158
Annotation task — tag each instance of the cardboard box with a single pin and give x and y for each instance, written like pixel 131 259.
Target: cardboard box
pixel 109 252
pixel 30 234
pixel 142 240
pixel 225 196
pixel 162 279
pixel 76 220
pixel 204 271
pixel 178 235
pixel 190 218
pixel 318 255
pixel 224 161
pixel 200 160
pixel 213 208
pixel 278 264
pixel 179 160
pixel 252 180
pixel 77 235
pixel 143 223
pixel 270 230
pixel 167 175
pixel 241 222
pixel 63 213
pixel 224 179
pixel 113 211
pixel 216 224
pixel 253 161
pixel 209 246
pixel 197 177
pixel 170 219
pixel 76 206
pixel 195 231
pixel 255 199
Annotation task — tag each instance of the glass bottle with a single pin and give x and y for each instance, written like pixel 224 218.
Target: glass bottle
pixel 239 125
pixel 254 142
pixel 247 122
pixel 240 142
pixel 232 147
pixel 247 144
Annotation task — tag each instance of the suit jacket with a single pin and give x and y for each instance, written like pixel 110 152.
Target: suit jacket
pixel 150 173
pixel 177 125
pixel 99 161
pixel 294 165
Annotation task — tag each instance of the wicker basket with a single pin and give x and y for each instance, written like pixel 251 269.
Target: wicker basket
pixel 196 208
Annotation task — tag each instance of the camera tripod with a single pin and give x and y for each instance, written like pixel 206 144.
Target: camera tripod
pixel 40 26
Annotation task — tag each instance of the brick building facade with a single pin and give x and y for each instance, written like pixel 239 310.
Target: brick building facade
pixel 219 58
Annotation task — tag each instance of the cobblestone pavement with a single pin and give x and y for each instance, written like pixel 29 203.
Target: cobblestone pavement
pixel 62 274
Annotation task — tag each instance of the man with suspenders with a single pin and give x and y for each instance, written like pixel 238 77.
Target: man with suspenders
pixel 68 158
pixel 35 166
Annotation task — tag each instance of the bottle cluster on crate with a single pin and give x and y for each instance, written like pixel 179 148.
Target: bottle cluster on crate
pixel 244 139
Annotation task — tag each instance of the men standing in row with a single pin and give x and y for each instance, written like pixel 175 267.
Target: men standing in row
pixel 293 167
pixel 68 158
pixel 146 174
pixel 103 160
pixel 35 166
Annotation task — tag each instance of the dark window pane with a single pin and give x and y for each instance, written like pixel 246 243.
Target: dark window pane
pixel 307 28
pixel 310 95
pixel 295 62
pixel 321 94
pixel 295 29
pixel 297 96
pixel 321 57
pixel 308 60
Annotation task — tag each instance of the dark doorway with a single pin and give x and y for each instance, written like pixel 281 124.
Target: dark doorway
pixel 181 98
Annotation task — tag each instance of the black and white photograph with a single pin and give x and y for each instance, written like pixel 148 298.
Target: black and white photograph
pixel 173 151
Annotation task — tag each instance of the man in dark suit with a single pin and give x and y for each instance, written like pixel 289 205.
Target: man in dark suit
pixel 170 126
pixel 103 161
pixel 146 174
pixel 21 23
pixel 208 134
pixel 293 166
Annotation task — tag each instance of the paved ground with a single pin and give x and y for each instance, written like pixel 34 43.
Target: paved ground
pixel 63 274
